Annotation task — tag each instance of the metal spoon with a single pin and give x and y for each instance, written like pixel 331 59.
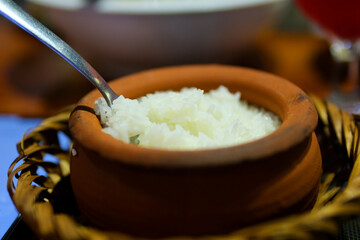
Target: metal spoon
pixel 21 18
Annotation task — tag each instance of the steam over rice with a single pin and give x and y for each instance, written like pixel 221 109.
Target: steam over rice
pixel 185 120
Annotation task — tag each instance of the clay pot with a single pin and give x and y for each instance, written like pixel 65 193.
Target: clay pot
pixel 158 193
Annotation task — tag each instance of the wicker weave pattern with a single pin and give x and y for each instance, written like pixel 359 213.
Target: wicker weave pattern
pixel 339 195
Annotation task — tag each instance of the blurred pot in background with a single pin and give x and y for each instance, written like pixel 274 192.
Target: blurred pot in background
pixel 119 36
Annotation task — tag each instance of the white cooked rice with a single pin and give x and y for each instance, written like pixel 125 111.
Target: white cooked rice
pixel 185 120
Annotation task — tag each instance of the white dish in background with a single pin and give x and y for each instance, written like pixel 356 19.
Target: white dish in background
pixel 155 6
pixel 122 36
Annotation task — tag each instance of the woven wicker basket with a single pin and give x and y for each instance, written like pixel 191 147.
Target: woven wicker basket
pixel 39 186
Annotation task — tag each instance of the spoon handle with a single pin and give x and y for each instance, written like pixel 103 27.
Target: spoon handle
pixel 21 18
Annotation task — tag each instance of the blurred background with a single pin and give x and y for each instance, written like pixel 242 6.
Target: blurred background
pixel 121 37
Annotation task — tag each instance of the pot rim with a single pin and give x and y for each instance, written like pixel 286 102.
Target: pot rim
pixel 293 107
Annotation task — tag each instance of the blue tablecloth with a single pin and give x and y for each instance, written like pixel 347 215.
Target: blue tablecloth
pixel 12 129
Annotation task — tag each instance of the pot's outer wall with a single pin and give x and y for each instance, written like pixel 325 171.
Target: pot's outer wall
pixel 160 202
pixel 159 193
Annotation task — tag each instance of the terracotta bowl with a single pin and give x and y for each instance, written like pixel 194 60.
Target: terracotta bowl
pixel 158 193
